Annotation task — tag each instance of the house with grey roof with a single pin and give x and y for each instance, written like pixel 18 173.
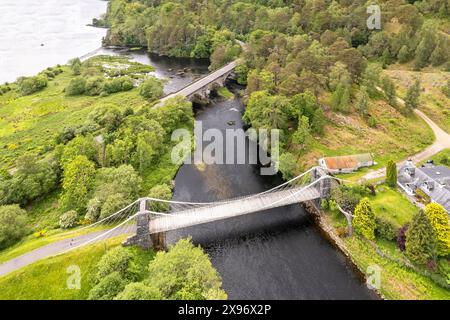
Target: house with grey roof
pixel 432 180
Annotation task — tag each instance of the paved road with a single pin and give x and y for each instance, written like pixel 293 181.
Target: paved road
pixel 442 142
pixel 197 85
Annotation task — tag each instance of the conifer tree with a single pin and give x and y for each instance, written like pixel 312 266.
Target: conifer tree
pixel 364 221
pixel 391 174
pixel 439 221
pixel 420 244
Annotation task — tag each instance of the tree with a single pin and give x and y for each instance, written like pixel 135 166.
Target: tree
pixel 75 65
pixel 30 85
pixel 77 183
pixel 413 95
pixel 79 146
pixel 185 272
pixel 441 52
pixel 115 260
pixel 319 121
pixel 12 225
pixel 389 90
pixel 77 86
pixel 108 287
pixel 151 89
pixel 391 174
pixel 364 221
pixel 340 100
pixel 287 165
pixel 303 134
pixel 140 291
pixel 371 78
pixel 404 55
pixel 362 101
pixel 162 192
pixel 438 218
pixel 420 243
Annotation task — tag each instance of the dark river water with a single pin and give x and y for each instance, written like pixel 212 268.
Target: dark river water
pixel 277 254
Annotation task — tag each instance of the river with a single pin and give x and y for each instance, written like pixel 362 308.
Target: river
pixel 277 254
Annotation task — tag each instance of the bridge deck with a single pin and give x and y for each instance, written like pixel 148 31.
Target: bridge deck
pixel 231 209
pixel 201 83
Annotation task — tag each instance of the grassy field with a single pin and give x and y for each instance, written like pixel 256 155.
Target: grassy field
pixel 433 101
pixel 30 123
pixel 47 279
pixel 393 206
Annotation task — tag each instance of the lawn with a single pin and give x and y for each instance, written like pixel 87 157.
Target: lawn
pixel 442 158
pixel 393 206
pixel 47 279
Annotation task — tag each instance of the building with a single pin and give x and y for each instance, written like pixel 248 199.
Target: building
pixel 434 181
pixel 346 164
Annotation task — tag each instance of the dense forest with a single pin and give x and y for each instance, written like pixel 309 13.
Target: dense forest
pixel 301 57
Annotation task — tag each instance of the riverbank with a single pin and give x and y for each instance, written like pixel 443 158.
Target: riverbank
pixel 398 280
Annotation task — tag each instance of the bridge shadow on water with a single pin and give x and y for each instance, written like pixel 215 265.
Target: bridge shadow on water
pixel 275 254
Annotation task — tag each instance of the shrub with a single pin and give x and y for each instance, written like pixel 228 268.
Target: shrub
pixel 108 287
pixel 118 84
pixel 27 86
pixel 439 221
pixel 77 86
pixel 420 243
pixel 68 220
pixel 364 221
pixel 94 86
pixel 287 165
pixel 372 122
pixel 94 208
pixel 113 203
pixel 151 89
pixel 115 260
pixel 386 229
pixel 12 225
pixel 140 291
pixel 163 192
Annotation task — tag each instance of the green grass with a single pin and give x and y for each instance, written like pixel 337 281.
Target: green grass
pixel 395 137
pixel 47 279
pixel 32 242
pixel 397 282
pixel 392 205
pixel 441 158
pixel 30 123
pixel 225 93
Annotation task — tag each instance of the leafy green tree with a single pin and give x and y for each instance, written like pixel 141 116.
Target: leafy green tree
pixel 77 183
pixel 162 192
pixel 30 85
pixel 340 99
pixel 364 221
pixel 413 95
pixel 441 52
pixel 371 78
pixel 77 86
pixel 319 121
pixel 404 55
pixel 391 174
pixel 389 90
pixel 426 46
pixel 362 101
pixel 108 287
pixel 79 146
pixel 118 259
pixel 151 89
pixel 438 218
pixel 13 225
pixel 420 243
pixel 186 273
pixel 287 165
pixel 106 116
pixel 140 291
pixel 113 203
pixel 303 134
pixel 75 65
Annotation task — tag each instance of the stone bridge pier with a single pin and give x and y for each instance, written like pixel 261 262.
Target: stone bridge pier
pixel 143 238
pixel 202 95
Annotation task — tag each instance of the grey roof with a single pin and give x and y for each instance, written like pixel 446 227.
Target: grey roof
pixel 438 177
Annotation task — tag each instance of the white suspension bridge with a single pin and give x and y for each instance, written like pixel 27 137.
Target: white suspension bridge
pixel 146 220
